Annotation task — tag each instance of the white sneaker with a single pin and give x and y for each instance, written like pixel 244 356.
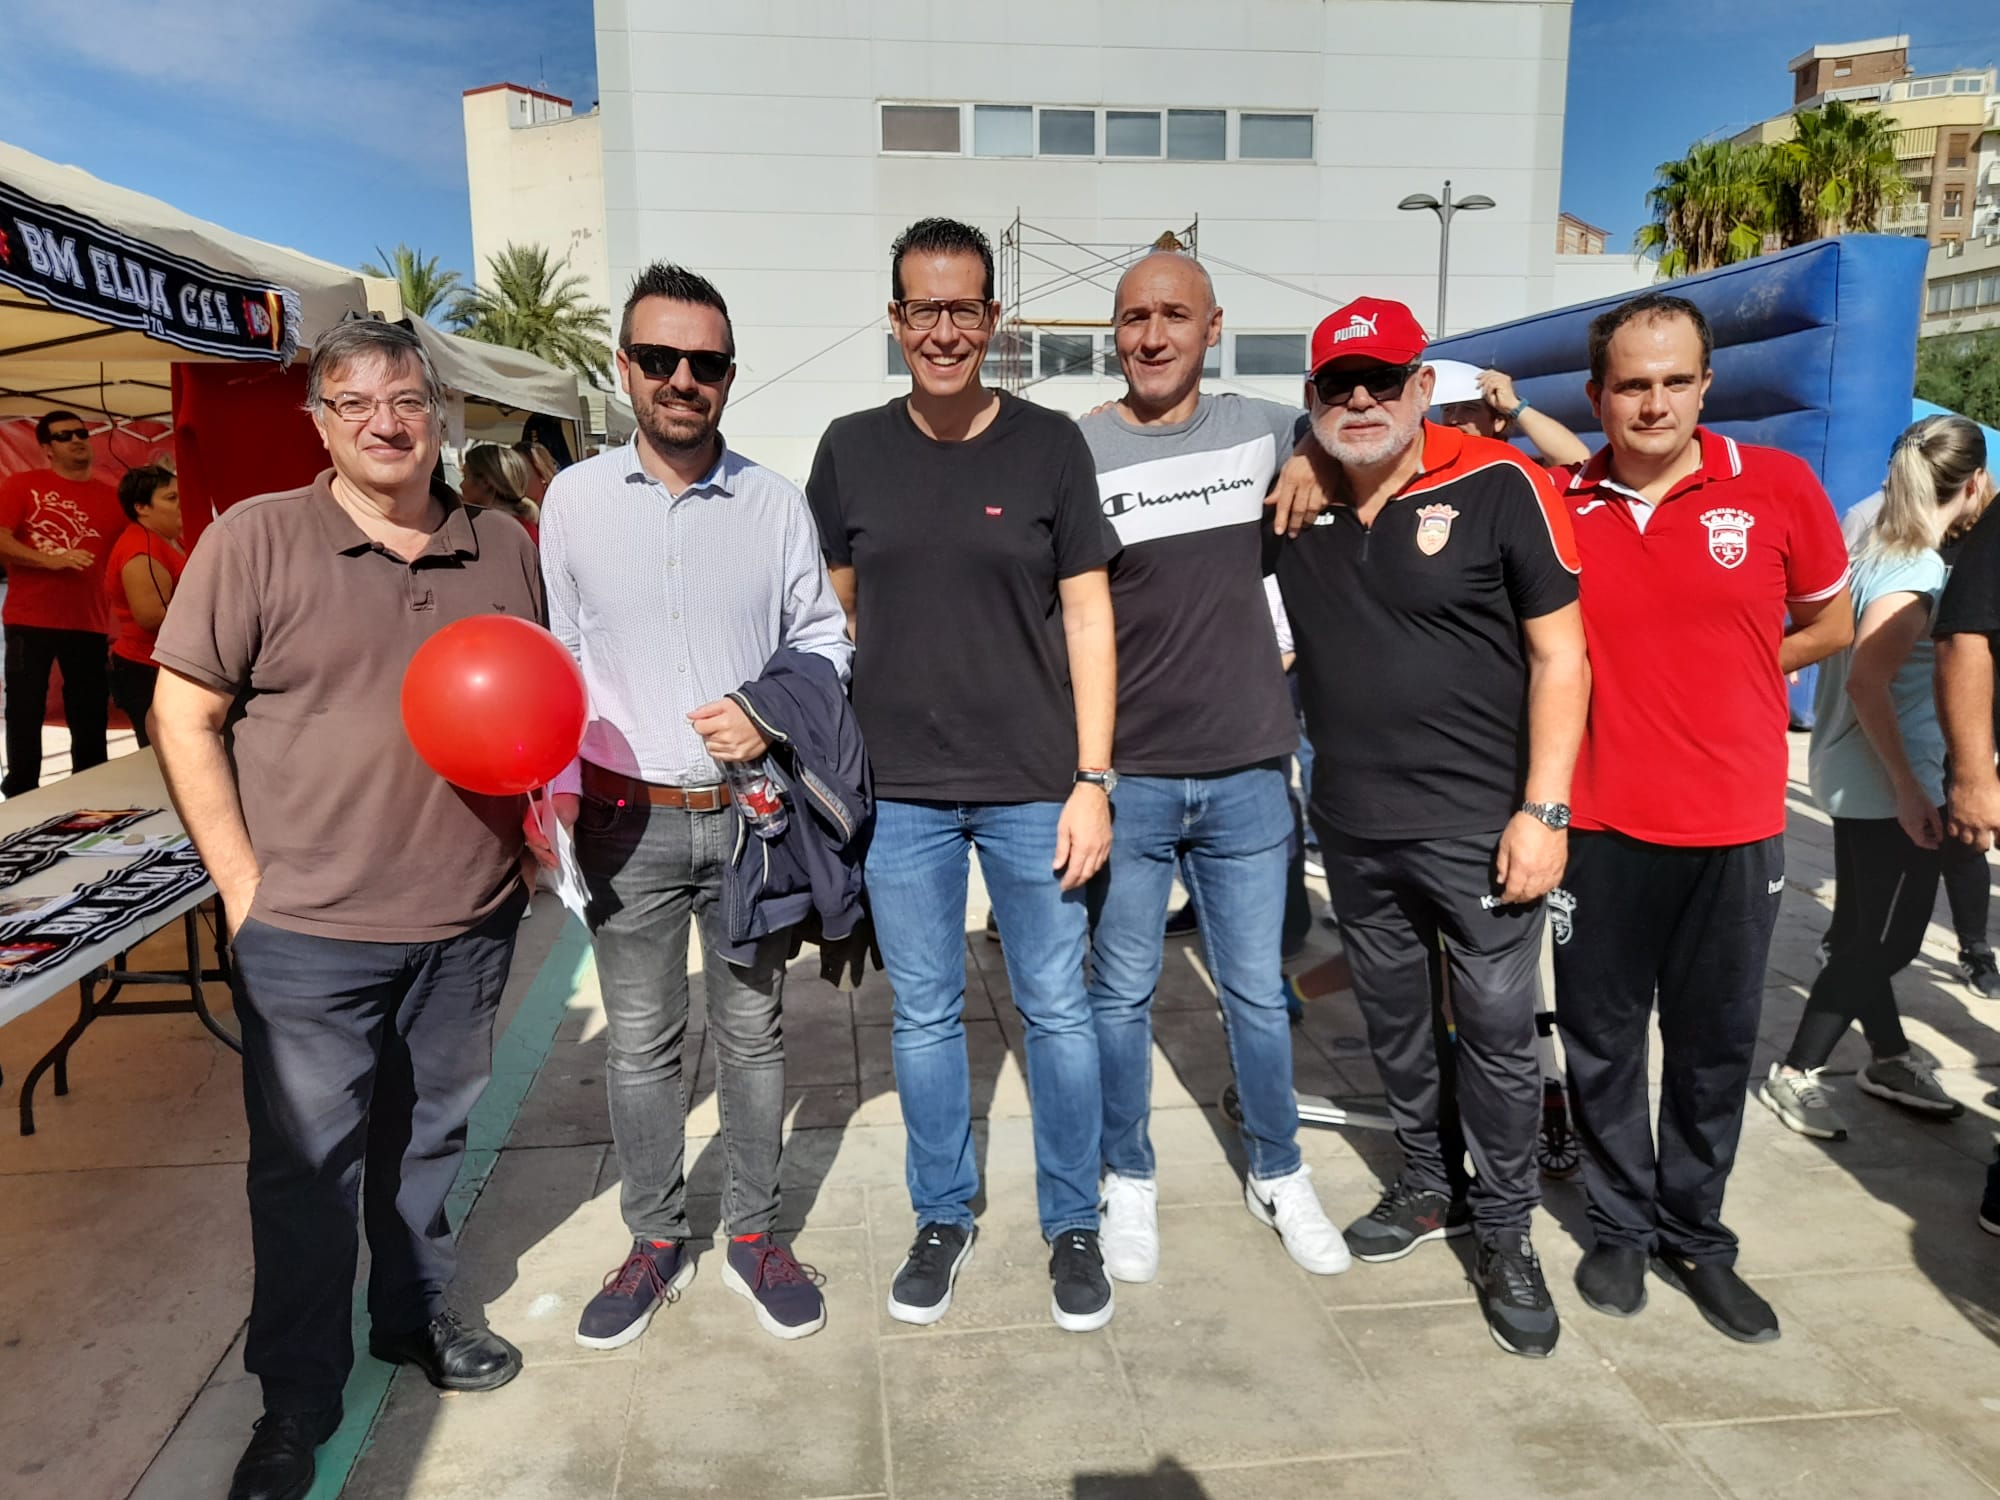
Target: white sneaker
pixel 1290 1206
pixel 1129 1227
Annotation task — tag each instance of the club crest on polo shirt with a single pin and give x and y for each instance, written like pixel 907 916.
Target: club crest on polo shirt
pixel 1434 528
pixel 1728 534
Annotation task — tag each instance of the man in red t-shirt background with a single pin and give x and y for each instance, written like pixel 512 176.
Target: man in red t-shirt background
pixel 1710 569
pixel 57 526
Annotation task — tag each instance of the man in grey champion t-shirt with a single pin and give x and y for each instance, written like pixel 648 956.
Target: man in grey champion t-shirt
pixel 1204 727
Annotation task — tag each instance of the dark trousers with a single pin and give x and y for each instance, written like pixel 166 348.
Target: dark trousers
pixel 31 651
pixel 361 1064
pixel 1694 927
pixel 1968 887
pixel 132 684
pixel 1884 888
pixel 1482 1093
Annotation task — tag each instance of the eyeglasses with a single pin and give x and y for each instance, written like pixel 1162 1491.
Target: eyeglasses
pixel 1336 387
pixel 72 435
pixel 659 361
pixel 407 408
pixel 923 313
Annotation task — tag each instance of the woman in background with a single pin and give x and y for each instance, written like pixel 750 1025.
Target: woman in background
pixel 1876 764
pixel 499 479
pixel 140 575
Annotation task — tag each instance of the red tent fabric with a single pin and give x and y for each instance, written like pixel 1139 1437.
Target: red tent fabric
pixel 239 430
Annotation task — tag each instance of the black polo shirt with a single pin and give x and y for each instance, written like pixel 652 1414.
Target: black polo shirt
pixel 1410 659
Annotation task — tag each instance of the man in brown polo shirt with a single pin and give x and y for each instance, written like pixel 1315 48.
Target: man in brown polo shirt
pixel 373 905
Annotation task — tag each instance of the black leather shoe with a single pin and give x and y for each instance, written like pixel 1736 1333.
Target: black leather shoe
pixel 452 1356
pixel 278 1464
pixel 1612 1280
pixel 1721 1296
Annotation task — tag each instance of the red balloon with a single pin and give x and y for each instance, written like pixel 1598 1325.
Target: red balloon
pixel 494 704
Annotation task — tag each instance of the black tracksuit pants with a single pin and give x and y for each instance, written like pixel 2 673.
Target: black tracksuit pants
pixel 1482 1093
pixel 1885 885
pixel 1693 927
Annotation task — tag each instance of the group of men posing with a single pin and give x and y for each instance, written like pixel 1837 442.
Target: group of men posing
pixel 1527 694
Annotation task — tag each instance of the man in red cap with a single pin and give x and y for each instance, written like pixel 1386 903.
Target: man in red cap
pixel 1441 663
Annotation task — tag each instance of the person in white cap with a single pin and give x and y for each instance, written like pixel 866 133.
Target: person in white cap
pixel 1482 403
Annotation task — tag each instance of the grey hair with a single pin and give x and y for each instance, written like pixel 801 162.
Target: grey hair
pixel 359 340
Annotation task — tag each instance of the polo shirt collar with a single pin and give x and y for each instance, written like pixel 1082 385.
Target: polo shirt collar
pixel 719 480
pixel 453 538
pixel 1720 459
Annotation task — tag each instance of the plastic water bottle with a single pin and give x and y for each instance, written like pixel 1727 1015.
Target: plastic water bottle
pixel 756 798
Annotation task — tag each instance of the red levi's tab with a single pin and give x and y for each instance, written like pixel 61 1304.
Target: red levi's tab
pixel 1683 611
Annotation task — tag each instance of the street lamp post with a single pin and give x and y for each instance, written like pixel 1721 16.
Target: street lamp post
pixel 1444 210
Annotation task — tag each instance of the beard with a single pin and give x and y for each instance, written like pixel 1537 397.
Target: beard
pixel 1364 440
pixel 685 427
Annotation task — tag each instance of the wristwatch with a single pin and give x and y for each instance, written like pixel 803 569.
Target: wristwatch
pixel 1106 780
pixel 1515 414
pixel 1554 814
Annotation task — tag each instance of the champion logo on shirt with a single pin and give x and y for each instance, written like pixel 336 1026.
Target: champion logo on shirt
pixel 1728 534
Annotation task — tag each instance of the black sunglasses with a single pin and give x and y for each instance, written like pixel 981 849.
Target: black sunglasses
pixel 659 361
pixel 1335 387
pixel 72 435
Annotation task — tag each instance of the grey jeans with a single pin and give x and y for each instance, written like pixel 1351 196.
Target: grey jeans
pixel 652 872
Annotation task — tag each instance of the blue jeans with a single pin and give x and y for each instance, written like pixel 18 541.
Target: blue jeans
pixel 916 870
pixel 1231 833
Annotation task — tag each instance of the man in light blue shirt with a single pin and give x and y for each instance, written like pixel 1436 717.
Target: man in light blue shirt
pixel 675 569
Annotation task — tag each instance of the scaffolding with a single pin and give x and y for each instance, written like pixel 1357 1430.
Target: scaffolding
pixel 1069 346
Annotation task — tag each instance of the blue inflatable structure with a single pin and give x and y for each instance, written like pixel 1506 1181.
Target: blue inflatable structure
pixel 1815 353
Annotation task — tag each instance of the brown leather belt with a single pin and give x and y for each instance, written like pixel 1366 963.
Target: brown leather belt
pixel 616 787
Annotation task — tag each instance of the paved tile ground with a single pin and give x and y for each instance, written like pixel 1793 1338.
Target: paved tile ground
pixel 1234 1375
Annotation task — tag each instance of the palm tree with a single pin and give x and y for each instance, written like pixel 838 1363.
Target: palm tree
pixel 1711 208
pixel 1838 173
pixel 423 285
pixel 539 307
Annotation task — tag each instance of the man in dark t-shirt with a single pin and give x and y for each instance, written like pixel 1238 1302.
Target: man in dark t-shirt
pixel 1441 664
pixel 1205 727
pixel 963 536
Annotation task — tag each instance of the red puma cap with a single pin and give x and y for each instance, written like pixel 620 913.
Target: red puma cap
pixel 1368 328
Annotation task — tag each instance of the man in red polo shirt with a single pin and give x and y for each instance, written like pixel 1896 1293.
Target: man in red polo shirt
pixel 57 526
pixel 1433 605
pixel 1695 549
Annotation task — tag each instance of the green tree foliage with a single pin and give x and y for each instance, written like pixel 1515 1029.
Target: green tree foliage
pixel 534 304
pixel 1961 371
pixel 1724 202
pixel 425 288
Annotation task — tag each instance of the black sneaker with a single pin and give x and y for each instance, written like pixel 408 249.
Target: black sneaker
pixel 650 1278
pixel 1612 1280
pixel 1404 1219
pixel 1182 923
pixel 1721 1296
pixel 921 1292
pixel 278 1464
pixel 1979 971
pixel 1081 1300
pixel 1515 1298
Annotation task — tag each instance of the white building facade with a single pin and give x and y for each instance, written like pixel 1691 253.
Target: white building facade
pixel 779 147
pixel 534 173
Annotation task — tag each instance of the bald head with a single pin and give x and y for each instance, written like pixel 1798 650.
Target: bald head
pixel 1172 274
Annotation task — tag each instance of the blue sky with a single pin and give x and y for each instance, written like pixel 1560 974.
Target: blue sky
pixel 334 128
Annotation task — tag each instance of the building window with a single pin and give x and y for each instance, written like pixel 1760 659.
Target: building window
pixel 1276 137
pixel 1843 67
pixel 1954 203
pixel 1008 358
pixel 1271 354
pixel 1938 299
pixel 1197 134
pixel 1131 132
pixel 920 127
pixel 1069 132
pixel 1211 361
pixel 1003 130
pixel 1954 155
pixel 1962 293
pixel 1989 290
pixel 1968 85
pixel 1065 354
pixel 899 367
